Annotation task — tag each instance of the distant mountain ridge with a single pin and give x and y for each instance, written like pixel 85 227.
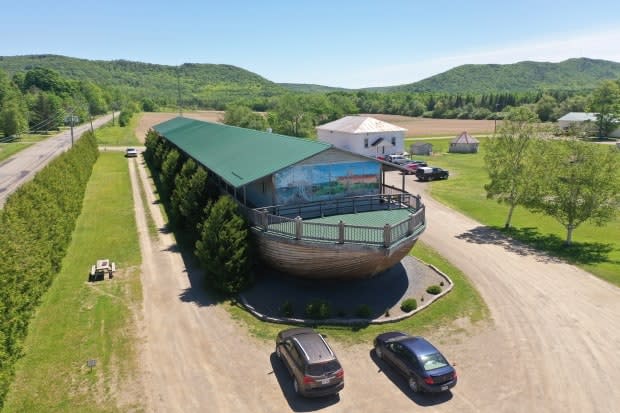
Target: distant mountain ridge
pixel 198 81
pixel 219 83
pixel 572 74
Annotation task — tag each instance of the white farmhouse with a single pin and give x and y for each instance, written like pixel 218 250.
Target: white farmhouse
pixel 580 117
pixel 364 135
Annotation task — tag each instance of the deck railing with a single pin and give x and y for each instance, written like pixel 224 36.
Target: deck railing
pixel 288 220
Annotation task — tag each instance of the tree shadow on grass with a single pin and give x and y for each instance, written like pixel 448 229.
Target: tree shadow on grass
pixel 547 247
pixel 576 253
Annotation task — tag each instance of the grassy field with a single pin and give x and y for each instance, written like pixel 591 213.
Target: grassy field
pixel 595 249
pixel 462 302
pixel 78 320
pixel 118 136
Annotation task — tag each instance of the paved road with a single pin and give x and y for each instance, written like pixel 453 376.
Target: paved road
pixel 24 165
pixel 552 345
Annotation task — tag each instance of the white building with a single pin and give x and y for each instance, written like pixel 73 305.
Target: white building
pixel 579 117
pixel 364 135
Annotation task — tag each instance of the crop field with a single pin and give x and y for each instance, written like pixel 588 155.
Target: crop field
pixel 416 127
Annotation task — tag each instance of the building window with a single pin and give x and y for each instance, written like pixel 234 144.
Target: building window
pixel 366 143
pixel 393 140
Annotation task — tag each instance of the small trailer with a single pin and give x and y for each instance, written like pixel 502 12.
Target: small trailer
pixel 99 270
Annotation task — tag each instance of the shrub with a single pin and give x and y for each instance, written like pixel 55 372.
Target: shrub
pixel 433 289
pixel 408 305
pixel 318 310
pixel 286 309
pixel 363 311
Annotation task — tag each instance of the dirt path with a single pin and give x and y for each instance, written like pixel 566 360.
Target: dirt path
pixel 553 344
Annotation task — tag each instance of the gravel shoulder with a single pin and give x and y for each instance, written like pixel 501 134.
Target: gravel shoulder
pixel 551 345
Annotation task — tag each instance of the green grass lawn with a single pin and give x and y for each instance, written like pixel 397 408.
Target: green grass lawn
pixel 78 320
pixel 462 302
pixel 118 136
pixel 595 249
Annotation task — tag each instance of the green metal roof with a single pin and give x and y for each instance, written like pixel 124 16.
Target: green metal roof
pixel 237 155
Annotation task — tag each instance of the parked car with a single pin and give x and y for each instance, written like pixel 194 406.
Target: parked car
pixel 311 362
pixel 398 159
pixel 428 173
pixel 131 153
pixel 413 166
pixel 424 367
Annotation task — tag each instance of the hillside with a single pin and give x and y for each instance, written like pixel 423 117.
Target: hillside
pixel 571 74
pixel 199 82
pixel 311 88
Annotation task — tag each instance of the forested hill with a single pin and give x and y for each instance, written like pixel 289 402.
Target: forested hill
pixel 571 74
pixel 201 84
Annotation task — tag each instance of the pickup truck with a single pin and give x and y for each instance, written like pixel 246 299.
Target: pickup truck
pixel 427 173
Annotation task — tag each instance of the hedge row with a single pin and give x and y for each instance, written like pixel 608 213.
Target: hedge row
pixel 37 223
pixel 209 223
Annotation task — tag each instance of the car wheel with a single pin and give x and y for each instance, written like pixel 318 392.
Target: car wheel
pixel 295 386
pixel 413 384
pixel 379 352
pixel 278 352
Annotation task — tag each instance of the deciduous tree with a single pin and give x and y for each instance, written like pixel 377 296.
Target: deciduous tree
pixel 578 182
pixel 507 159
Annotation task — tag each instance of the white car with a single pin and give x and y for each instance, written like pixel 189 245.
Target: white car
pixel 131 153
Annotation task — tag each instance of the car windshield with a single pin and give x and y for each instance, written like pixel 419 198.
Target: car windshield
pixel 433 361
pixel 320 369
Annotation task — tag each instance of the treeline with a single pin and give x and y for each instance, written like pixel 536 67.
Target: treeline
pixel 37 222
pixel 41 100
pixel 206 221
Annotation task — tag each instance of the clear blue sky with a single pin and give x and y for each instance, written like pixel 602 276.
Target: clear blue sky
pixel 334 43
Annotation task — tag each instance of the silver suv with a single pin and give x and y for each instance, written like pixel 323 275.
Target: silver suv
pixel 311 362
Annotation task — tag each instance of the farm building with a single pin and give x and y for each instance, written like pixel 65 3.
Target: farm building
pixel 315 210
pixel 572 118
pixel 421 148
pixel 363 135
pixel 464 143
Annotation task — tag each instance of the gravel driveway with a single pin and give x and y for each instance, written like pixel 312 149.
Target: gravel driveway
pixel 552 345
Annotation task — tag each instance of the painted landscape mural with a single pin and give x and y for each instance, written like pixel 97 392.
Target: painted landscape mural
pixel 318 182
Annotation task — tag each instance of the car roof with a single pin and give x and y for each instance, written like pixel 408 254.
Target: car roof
pixel 314 347
pixel 419 346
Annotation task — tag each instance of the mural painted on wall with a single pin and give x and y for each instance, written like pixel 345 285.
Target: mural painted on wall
pixel 308 183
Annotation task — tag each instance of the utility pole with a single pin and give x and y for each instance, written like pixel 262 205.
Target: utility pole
pixel 72 128
pixel 179 91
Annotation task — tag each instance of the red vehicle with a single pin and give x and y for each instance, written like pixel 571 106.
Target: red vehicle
pixel 413 166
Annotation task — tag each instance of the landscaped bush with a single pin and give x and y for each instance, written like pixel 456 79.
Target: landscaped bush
pixel 363 311
pixel 408 305
pixel 286 309
pixel 37 222
pixel 433 289
pixel 318 310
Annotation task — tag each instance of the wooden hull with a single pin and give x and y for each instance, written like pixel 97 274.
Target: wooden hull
pixel 328 260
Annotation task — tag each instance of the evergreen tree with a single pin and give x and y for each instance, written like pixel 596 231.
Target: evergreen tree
pixel 223 248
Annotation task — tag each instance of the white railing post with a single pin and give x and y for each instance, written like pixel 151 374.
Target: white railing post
pixel 387 235
pixel 411 225
pixel 341 232
pixel 299 228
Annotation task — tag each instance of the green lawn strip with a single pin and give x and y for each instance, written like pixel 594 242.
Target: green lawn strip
pixel 595 249
pixel 150 222
pixel 118 136
pixel 462 301
pixel 78 320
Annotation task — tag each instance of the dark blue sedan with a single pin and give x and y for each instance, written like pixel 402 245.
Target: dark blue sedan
pixel 424 367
